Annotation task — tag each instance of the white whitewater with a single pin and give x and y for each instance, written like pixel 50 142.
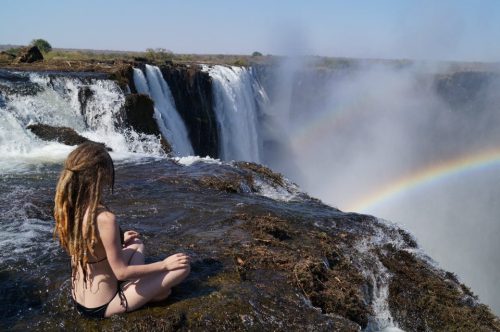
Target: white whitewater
pixel 380 277
pixel 54 100
pixel 168 119
pixel 236 94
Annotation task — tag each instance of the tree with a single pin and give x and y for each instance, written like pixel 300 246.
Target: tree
pixel 256 53
pixel 42 45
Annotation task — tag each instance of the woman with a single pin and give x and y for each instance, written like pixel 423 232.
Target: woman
pixel 108 275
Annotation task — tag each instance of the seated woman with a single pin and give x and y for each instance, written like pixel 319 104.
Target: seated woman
pixel 108 277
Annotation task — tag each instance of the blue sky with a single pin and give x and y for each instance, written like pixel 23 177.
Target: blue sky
pixel 436 30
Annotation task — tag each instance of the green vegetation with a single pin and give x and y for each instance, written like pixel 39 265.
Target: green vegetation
pixel 62 58
pixel 82 55
pixel 65 58
pixel 42 45
pixel 13 51
pixel 240 62
pixel 159 55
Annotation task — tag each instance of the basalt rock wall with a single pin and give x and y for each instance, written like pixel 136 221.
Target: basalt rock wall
pixel 466 89
pixel 192 91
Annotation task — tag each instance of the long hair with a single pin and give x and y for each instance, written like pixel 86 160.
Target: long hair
pixel 87 171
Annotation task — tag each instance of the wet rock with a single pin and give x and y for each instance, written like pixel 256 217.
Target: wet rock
pixel 311 261
pixel 192 92
pixel 138 113
pixel 63 135
pixel 234 183
pixel 84 95
pixel 277 228
pixel 442 303
pixel 257 264
pixel 29 55
pixel 123 75
pixel 275 178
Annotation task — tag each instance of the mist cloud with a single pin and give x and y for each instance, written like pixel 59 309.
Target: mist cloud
pixel 370 124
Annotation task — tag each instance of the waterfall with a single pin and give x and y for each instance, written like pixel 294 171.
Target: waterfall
pixel 236 102
pixel 168 119
pixel 379 277
pixel 89 105
pixel 140 81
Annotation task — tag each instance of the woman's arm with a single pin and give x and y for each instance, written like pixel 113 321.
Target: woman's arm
pixel 110 237
pixel 129 236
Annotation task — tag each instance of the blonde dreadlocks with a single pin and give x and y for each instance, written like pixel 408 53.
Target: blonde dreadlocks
pixel 87 170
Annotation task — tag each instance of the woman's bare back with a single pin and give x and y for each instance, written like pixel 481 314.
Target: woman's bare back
pixel 101 284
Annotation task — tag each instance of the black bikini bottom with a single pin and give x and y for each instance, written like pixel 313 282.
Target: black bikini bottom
pixel 99 312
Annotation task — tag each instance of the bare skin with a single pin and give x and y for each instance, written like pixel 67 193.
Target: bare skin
pixel 145 282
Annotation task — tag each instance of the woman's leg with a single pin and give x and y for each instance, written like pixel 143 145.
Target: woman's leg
pixel 161 297
pixel 153 287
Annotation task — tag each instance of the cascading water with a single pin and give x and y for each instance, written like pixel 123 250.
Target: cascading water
pixel 58 101
pixel 236 95
pixel 166 115
pixel 379 278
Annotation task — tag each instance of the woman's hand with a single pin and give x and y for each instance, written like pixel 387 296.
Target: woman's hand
pixel 177 261
pixel 129 236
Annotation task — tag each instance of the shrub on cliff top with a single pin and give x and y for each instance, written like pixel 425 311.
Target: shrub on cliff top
pixel 240 62
pixel 42 45
pixel 13 51
pixel 159 54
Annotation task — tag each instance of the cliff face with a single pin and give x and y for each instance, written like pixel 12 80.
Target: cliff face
pixel 465 89
pixel 192 92
pixel 191 89
pixel 137 113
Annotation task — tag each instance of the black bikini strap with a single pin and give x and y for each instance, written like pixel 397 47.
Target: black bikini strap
pixel 100 260
pixel 121 295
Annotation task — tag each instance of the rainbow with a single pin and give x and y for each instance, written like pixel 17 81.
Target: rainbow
pixel 463 164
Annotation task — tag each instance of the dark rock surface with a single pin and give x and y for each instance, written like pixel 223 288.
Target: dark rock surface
pixel 257 263
pixel 63 135
pixel 124 76
pixel 29 54
pixel 192 92
pixel 442 298
pixel 84 96
pixel 138 112
pixel 276 178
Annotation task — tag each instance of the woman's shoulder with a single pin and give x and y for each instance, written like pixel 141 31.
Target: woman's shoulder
pixel 107 224
pixel 102 208
pixel 104 215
